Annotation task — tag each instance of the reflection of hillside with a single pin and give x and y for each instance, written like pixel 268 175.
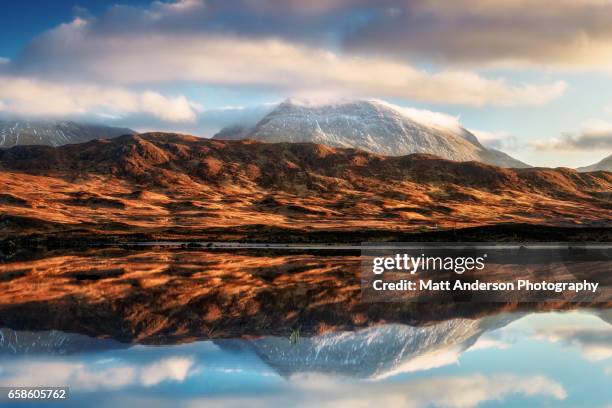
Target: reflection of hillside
pixel 378 351
pixel 167 296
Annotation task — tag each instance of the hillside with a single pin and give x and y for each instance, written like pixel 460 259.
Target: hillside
pixel 171 186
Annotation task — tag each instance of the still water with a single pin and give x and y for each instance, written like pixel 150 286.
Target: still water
pixel 556 359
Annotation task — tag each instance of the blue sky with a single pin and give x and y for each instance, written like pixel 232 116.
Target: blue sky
pixel 530 78
pixel 23 20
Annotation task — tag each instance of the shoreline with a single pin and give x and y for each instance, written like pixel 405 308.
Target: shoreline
pixel 75 238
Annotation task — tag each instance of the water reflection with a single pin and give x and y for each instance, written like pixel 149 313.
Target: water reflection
pixel 53 342
pixel 88 319
pixel 555 359
pixel 376 352
pixel 170 295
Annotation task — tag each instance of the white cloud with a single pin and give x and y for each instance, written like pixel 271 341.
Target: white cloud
pixel 565 34
pixel 488 342
pixel 429 118
pixel 27 96
pixel 175 369
pixel 594 343
pixel 427 361
pixel 501 140
pixel 596 134
pixel 150 53
pixel 86 377
pixel 452 392
pixel 423 116
pixel 180 5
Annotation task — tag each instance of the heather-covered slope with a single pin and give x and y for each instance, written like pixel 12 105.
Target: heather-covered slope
pixel 173 185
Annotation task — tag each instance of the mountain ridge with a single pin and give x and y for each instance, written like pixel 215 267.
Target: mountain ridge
pixel 138 154
pixel 604 164
pixel 371 125
pixel 53 133
pixel 170 185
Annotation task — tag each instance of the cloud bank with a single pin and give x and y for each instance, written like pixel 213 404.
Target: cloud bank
pixel 452 392
pixel 148 54
pixel 24 96
pixel 595 135
pixel 124 61
pixel 561 34
pixel 87 378
pixel 594 343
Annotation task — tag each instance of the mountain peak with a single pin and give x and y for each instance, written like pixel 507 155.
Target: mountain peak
pixel 371 125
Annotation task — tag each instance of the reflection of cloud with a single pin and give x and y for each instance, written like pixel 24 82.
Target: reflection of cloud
pixel 175 369
pixel 465 391
pixel 427 361
pixel 85 377
pixel 595 343
pixel 488 342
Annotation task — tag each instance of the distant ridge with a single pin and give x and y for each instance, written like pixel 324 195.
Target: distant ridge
pixel 605 165
pixel 53 133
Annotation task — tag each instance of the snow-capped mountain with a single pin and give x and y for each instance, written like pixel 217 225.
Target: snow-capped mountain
pixel 375 352
pixel 53 133
pixel 605 165
pixel 373 126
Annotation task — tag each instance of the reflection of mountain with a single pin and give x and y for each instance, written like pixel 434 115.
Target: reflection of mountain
pixel 605 315
pixel 51 342
pixel 369 125
pixel 378 351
